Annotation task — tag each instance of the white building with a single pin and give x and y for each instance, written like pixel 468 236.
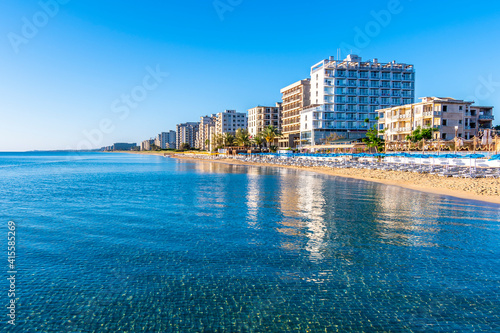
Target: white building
pixel 261 117
pixel 171 141
pixel 229 121
pixel 166 140
pixel 448 116
pixel 344 93
pixel 146 144
pixel 206 132
pixel 186 133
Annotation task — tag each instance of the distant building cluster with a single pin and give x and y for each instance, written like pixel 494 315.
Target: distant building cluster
pixel 341 99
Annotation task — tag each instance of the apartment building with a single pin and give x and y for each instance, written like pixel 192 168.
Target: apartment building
pixel 344 93
pixel 166 140
pixel 295 97
pixel 206 132
pixel 146 144
pixel 449 116
pixel 261 117
pixel 186 133
pixel 229 121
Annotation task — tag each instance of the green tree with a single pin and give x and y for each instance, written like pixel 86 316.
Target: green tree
pixel 270 133
pixel 497 128
pixel 242 137
pixel 228 139
pixel 185 146
pixel 218 140
pixel 258 140
pixel 373 139
pixel 419 134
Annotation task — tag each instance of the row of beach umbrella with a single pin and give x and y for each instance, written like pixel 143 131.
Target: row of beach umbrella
pixel 471 156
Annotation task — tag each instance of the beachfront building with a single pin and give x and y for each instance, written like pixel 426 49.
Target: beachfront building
pixel 147 144
pixel 261 117
pixel 345 93
pixel 451 117
pixel 295 97
pixel 206 132
pixel 229 121
pixel 165 140
pixel 171 141
pixel 186 133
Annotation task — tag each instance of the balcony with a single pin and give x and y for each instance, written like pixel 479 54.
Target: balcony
pixel 431 113
pixel 486 117
pixel 429 127
pixel 401 129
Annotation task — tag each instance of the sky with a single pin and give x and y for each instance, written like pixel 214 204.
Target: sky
pixel 79 74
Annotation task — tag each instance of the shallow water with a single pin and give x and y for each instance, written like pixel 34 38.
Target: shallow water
pixel 110 242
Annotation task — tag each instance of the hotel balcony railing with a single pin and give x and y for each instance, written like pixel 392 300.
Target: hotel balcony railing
pixel 401 129
pixel 401 116
pixel 429 126
pixel 431 113
pixel 486 117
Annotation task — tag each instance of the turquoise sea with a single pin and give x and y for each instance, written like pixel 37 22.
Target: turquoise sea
pixel 133 243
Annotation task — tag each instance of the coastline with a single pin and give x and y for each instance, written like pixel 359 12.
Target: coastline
pixel 481 189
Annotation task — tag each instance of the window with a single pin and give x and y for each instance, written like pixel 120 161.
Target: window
pixel 445 122
pixel 443 136
pixel 460 108
pixel 460 122
pixel 445 108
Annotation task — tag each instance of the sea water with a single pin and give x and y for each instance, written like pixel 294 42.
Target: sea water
pixel 109 242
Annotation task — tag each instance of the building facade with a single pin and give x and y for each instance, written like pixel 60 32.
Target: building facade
pixel 346 94
pixel 166 140
pixel 295 97
pixel 229 121
pixel 449 116
pixel 261 117
pixel 186 133
pixel 146 144
pixel 206 132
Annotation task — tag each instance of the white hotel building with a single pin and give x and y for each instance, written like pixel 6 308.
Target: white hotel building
pixel 346 92
pixel 229 121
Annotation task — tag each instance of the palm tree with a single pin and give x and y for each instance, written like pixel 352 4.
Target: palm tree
pixel 228 139
pixel 270 133
pixel 243 137
pixel 258 140
pixel 218 140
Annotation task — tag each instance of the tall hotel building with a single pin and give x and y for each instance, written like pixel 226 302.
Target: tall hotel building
pixel 261 117
pixel 229 121
pixel 186 133
pixel 346 92
pixel 295 98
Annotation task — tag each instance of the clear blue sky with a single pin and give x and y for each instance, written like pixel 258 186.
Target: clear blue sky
pixel 65 77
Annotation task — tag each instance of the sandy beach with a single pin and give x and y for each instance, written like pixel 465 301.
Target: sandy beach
pixel 482 189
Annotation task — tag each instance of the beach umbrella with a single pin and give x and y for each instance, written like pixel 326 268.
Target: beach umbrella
pixel 475 156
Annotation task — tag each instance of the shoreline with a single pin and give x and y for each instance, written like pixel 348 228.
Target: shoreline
pixel 481 189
